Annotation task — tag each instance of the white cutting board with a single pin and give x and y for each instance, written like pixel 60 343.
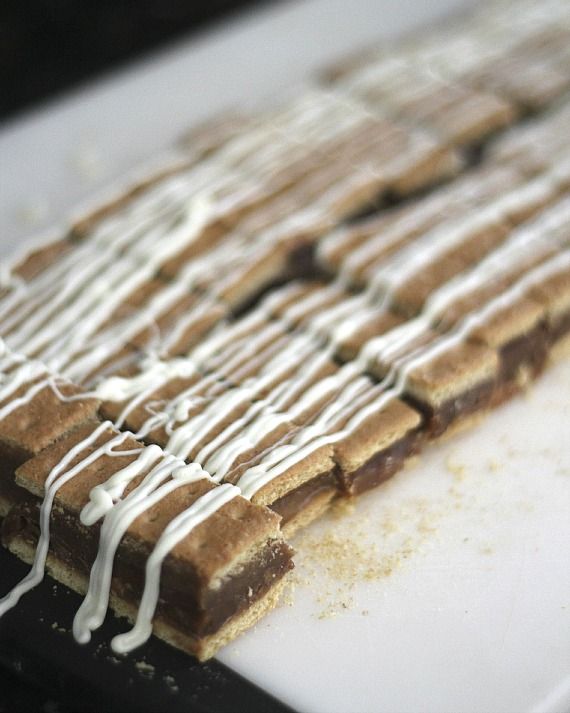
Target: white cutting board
pixel 448 589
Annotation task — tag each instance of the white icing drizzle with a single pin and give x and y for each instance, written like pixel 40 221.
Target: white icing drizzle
pixel 179 528
pixel 153 373
pixel 388 231
pixel 529 241
pixel 181 436
pixel 168 475
pixel 103 497
pixel 16 403
pixel 65 327
pixel 58 476
pixel 264 422
pixel 189 435
pixel 16 372
pixel 8 279
pixel 219 452
pixel 315 436
pixel 21 372
pixel 149 229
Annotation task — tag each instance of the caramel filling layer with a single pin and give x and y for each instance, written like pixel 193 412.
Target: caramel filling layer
pixel 560 328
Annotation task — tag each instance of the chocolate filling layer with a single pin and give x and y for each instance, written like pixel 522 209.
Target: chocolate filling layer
pixel 528 350
pixel 560 328
pixel 440 417
pixel 381 466
pixel 525 353
pixel 186 602
pixel 10 495
pixel 302 497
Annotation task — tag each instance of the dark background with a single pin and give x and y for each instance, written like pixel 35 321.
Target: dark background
pixel 48 46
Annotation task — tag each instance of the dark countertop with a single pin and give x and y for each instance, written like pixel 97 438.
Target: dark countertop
pixel 47 46
pixel 43 669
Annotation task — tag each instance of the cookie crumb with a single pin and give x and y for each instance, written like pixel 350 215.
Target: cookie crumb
pixel 342 507
pixel 171 683
pixel 453 466
pixel 34 211
pixel 88 162
pixel 494 466
pixel 145 669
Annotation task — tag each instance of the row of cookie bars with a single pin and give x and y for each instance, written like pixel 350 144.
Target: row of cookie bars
pixel 270 401
pixel 332 427
pixel 154 302
pixel 199 237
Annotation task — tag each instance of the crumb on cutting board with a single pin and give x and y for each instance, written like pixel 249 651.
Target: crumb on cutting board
pixel 455 467
pixel 341 555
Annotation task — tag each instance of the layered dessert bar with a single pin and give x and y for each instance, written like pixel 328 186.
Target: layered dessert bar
pixel 36 409
pixel 221 559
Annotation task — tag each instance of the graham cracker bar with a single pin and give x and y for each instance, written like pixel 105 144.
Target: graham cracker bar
pixel 215 580
pixel 224 417
pixel 446 378
pixel 456 114
pixel 36 409
pixel 353 250
pixel 351 437
pixel 538 145
pixel 553 295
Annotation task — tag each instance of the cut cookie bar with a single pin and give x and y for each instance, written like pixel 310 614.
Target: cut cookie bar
pixel 498 339
pixel 447 379
pixel 342 321
pixel 36 409
pixel 222 425
pixel 533 74
pixel 553 294
pixel 539 144
pixel 37 258
pixel 456 114
pixel 522 59
pixel 378 448
pixel 352 434
pixel 221 567
pixel 353 250
pixel 402 264
pixel 517 334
